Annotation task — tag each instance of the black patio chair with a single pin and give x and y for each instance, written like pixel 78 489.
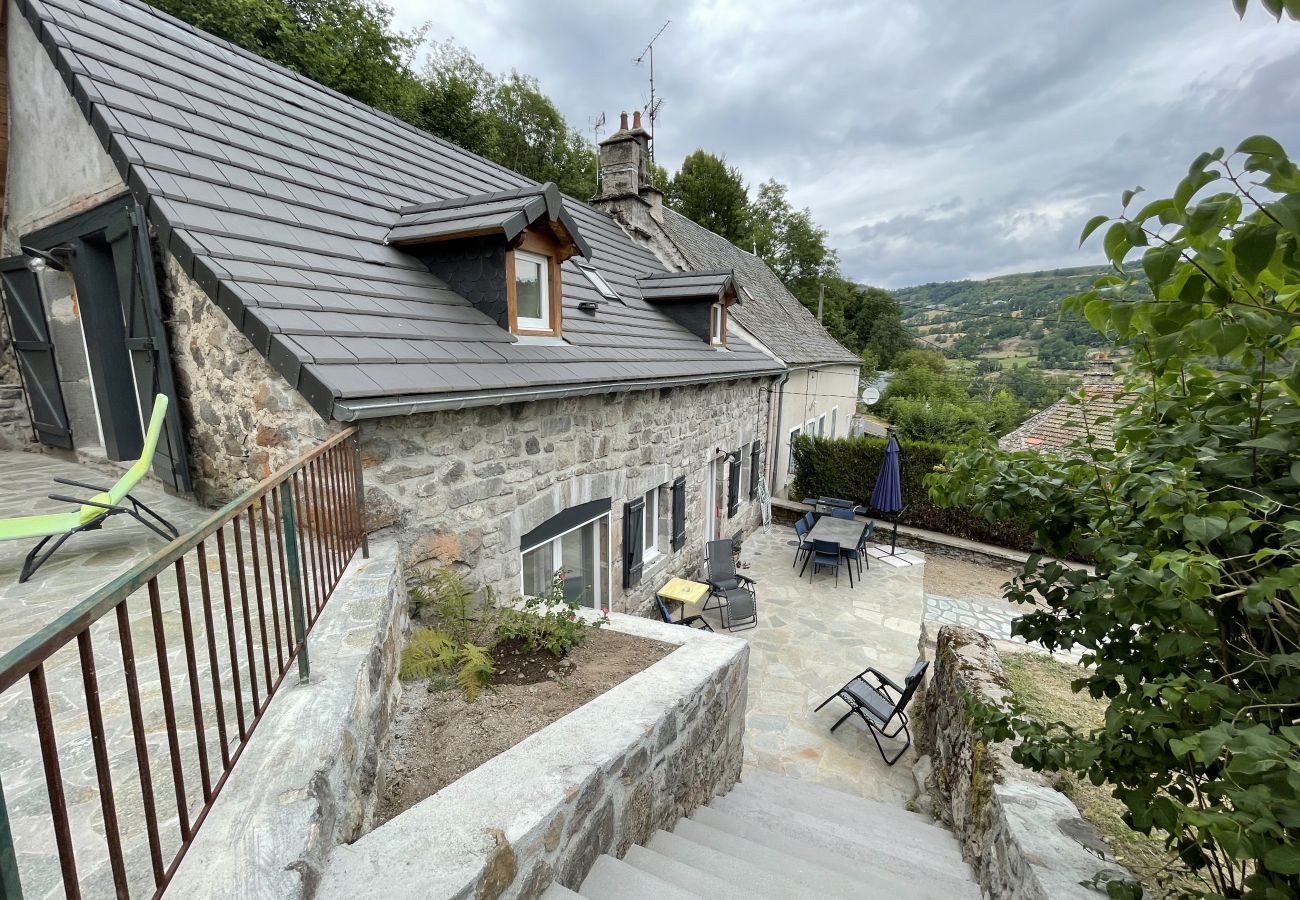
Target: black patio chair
pixel 735 594
pixel 801 534
pixel 809 520
pixel 880 704
pixel 826 555
pixel 689 621
pixel 841 512
pixel 859 553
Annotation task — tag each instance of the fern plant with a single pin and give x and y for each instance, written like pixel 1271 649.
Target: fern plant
pixel 463 639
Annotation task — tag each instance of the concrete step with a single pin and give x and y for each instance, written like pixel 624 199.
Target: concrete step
pixel 558 891
pixel 817 880
pixel 865 816
pixel 613 879
pixel 835 848
pixel 902 839
pixel 735 871
pixel 706 884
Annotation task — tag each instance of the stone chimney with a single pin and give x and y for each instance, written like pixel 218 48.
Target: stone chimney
pixel 625 169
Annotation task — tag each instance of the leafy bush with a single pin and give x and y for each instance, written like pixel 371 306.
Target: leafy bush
pixel 847 468
pixel 431 652
pixel 1189 626
pixel 551 623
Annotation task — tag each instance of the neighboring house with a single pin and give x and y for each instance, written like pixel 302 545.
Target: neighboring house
pixel 1054 429
pixel 820 394
pixel 534 389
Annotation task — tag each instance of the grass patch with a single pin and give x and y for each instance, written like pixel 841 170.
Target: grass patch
pixel 1010 362
pixel 1042 684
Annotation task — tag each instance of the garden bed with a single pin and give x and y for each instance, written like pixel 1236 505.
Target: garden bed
pixel 439 735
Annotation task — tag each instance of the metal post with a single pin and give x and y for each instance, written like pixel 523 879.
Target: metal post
pixel 295 576
pixel 10 886
pixel 361 496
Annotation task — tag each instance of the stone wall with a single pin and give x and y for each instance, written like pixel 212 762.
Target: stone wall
pixel 1024 839
pixel 464 487
pixel 599 780
pixel 307 780
pixel 243 420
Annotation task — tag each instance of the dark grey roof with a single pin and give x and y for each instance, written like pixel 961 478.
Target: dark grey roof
pixel 506 213
pixel 658 287
pixel 768 310
pixel 277 195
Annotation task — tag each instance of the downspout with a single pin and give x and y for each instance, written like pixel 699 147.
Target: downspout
pixel 4 105
pixel 775 395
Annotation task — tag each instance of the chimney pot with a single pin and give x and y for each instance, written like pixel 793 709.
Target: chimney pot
pixel 636 119
pixel 622 121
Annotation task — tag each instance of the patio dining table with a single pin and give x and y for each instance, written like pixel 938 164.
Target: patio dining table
pixel 844 532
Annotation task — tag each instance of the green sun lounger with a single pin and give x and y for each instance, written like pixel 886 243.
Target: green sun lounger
pixel 94 510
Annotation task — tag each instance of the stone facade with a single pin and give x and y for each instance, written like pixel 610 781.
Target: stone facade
pixel 1024 839
pixel 464 487
pixel 599 780
pixel 243 420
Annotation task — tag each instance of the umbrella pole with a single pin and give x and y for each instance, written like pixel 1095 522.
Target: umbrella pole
pixel 893 543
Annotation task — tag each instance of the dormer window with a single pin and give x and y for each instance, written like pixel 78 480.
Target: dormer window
pixel 533 293
pixel 718 325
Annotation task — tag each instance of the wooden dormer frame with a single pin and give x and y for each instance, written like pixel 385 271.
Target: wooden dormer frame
pixel 538 243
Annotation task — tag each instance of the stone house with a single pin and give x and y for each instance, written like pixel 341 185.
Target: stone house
pixel 534 389
pixel 818 394
pixel 1089 413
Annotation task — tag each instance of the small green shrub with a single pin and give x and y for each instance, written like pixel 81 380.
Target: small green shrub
pixel 550 622
pixel 459 647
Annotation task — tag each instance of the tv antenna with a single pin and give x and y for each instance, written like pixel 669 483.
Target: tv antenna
pixel 652 108
pixel 597 124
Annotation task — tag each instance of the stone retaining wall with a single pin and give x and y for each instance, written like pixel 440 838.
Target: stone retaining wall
pixel 308 778
pixel 1024 839
pixel 599 780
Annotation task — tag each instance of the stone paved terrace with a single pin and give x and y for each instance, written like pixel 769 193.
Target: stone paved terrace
pixel 811 637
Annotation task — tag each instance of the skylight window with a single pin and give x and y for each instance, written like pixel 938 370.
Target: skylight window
pixel 599 283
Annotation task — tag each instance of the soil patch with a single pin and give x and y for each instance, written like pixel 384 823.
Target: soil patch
pixel 966 580
pixel 438 736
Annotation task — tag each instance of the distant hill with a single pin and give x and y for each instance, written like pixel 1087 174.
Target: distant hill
pixel 1009 318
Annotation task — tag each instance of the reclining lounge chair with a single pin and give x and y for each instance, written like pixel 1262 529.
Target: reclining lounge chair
pixel 96 509
pixel 880 704
pixel 734 593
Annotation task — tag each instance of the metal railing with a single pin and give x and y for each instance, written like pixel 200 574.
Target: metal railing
pixel 262 569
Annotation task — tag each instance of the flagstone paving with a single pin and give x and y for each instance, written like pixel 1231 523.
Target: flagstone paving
pixel 812 636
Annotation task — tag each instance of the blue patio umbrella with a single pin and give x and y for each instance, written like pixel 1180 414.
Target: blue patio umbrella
pixel 888 494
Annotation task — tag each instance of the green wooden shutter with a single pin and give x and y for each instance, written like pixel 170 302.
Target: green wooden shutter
pixel 633 539
pixel 30 335
pixel 679 513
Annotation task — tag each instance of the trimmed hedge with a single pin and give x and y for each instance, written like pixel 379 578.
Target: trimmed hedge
pixel 847 468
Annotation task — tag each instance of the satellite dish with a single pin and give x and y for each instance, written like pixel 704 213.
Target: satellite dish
pixel 870 395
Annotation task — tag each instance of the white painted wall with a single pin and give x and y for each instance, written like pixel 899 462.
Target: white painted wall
pixel 807 396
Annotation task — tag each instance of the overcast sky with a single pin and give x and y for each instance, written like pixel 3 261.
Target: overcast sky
pixel 936 140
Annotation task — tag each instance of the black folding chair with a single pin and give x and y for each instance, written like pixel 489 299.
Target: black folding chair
pixel 801 534
pixel 688 621
pixel 735 594
pixel 880 704
pixel 825 555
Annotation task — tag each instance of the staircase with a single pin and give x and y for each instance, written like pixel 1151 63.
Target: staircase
pixel 776 837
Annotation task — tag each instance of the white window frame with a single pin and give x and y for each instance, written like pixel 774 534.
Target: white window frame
pixel 821 425
pixel 835 417
pixel 742 489
pixel 650 527
pixel 528 323
pixel 602 601
pixel 717 324
pixel 789 449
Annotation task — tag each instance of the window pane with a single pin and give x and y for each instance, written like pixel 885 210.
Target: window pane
pixel 577 549
pixel 650 535
pixel 528 288
pixel 602 568
pixel 539 566
pixel 744 472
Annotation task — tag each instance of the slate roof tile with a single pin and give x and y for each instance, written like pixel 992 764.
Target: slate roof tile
pixel 285 191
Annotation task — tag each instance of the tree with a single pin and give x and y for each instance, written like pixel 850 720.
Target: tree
pixel 533 138
pixel 874 318
pixel 986 367
pixel 457 104
pixel 712 194
pixel 791 243
pixel 1189 627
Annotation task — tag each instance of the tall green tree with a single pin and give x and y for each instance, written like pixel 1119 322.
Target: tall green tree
pixel 457 103
pixel 712 194
pixel 791 243
pixel 1189 622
